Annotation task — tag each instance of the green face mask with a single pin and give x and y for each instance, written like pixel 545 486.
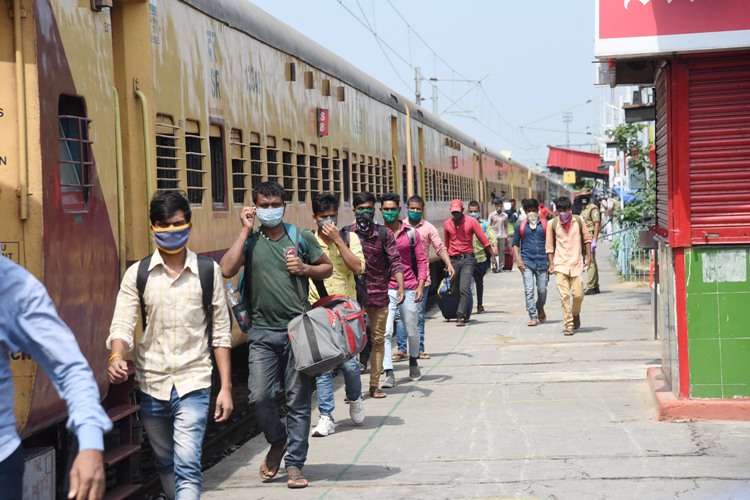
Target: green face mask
pixel 415 216
pixel 391 215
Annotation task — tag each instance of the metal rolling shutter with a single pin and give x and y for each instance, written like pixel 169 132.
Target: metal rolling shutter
pixel 719 138
pixel 662 186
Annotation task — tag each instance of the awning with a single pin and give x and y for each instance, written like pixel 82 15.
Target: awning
pixel 572 159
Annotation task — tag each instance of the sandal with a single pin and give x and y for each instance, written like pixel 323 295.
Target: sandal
pixel 576 322
pixel 569 331
pixel 376 393
pixel 400 356
pixel 424 355
pixel 533 322
pixel 269 467
pixel 295 479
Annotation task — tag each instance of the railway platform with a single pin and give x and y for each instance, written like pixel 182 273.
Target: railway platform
pixel 509 411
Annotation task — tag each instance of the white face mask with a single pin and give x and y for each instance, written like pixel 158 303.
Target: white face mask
pixel 533 219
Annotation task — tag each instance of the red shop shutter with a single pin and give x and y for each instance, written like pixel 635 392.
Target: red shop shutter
pixel 662 186
pixel 719 143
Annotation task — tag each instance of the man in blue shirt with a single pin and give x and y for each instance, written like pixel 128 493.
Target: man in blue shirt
pixel 29 323
pixel 531 257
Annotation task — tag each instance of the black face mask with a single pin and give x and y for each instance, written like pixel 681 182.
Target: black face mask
pixel 457 216
pixel 365 221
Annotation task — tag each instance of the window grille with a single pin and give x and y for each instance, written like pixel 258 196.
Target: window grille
pixel 75 159
pixel 287 174
pixel 167 168
pixel 194 162
pixel 256 162
pixel 218 166
pixel 239 175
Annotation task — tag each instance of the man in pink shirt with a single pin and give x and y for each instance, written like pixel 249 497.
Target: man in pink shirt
pixel 428 235
pixel 414 262
pixel 459 232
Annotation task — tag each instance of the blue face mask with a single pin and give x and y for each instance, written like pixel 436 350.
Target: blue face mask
pixel 172 239
pixel 270 217
pixel 474 214
pixel 415 216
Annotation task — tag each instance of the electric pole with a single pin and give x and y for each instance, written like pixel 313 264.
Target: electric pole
pixel 567 118
pixel 418 80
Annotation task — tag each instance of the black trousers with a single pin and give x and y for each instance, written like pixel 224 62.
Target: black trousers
pixel 461 285
pixel 11 475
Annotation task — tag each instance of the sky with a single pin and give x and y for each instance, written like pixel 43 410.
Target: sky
pixel 534 60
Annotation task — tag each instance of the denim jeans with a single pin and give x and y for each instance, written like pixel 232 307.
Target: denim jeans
pixel 270 357
pixel 409 312
pixel 352 387
pixel 480 269
pixel 461 285
pixel 11 474
pixel 401 329
pixel 175 429
pixel 530 277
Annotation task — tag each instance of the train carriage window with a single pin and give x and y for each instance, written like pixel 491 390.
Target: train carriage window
pixel 326 88
pixel 415 179
pixel 389 173
pixel 371 177
pixel 75 157
pixel 446 187
pixel 272 160
pixel 341 94
pixel 239 175
pixel 301 173
pixel 309 80
pixel 356 187
pixel 194 162
pixel 428 184
pixel 167 169
pixel 378 176
pixel 218 166
pixel 325 170
pixel 287 167
pixel 314 170
pixel 336 174
pixel 346 175
pixel 256 162
pixel 404 183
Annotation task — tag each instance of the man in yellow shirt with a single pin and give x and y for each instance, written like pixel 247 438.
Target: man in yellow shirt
pixel 347 261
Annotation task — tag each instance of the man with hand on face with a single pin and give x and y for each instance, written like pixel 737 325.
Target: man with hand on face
pixel 459 232
pixel 383 265
pixel 415 270
pixel 172 359
pixel 348 260
pixel 275 256
pixel 428 235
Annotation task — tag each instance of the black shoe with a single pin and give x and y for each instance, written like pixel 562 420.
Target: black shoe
pixel 591 291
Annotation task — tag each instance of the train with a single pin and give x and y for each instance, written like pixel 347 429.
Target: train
pixel 105 102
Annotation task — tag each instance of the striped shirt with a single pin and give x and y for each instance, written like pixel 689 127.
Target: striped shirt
pixel 428 235
pixel 173 351
pixel 382 265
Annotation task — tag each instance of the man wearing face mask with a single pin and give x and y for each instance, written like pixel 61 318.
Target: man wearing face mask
pixel 172 361
pixel 483 264
pixel 566 239
pixel 529 247
pixel 499 222
pixel 593 220
pixel 428 236
pixel 347 261
pixel 383 265
pixel 275 262
pixel 459 231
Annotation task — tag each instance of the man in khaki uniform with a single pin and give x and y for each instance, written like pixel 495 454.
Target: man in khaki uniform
pixel 593 219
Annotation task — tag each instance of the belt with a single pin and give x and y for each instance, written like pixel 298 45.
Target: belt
pixel 462 256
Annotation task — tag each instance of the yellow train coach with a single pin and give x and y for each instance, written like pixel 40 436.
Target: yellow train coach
pixel 104 102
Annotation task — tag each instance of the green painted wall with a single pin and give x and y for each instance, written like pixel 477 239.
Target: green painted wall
pixel 718 319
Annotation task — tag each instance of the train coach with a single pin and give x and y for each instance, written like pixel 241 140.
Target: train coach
pixel 104 102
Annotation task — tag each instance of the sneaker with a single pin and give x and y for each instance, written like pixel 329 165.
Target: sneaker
pixel 415 373
pixel 324 428
pixel 357 411
pixel 480 310
pixel 460 322
pixel 389 382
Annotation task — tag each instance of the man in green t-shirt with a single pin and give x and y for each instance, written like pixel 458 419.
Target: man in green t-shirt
pixel 274 299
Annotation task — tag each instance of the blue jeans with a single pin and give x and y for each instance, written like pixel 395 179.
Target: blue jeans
pixel 530 276
pixel 352 387
pixel 409 313
pixel 175 429
pixel 11 474
pixel 270 357
pixel 401 329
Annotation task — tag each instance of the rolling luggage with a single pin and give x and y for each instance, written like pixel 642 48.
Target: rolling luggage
pixel 508 259
pixel 446 301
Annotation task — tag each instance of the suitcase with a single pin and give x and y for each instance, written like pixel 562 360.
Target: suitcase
pixel 446 301
pixel 508 259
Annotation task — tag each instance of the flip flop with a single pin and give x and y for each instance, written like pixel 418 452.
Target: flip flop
pixel 400 356
pixel 295 480
pixel 376 393
pixel 569 331
pixel 424 355
pixel 271 466
pixel 533 322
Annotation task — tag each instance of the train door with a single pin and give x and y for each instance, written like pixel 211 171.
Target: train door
pixel 396 174
pixel 420 176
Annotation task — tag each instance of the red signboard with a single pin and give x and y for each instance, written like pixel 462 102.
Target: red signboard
pixel 455 162
pixel 649 27
pixel 322 122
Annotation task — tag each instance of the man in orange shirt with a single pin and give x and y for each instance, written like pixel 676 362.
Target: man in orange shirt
pixel 567 236
pixel 459 232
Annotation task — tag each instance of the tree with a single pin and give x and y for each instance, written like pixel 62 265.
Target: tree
pixel 642 210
